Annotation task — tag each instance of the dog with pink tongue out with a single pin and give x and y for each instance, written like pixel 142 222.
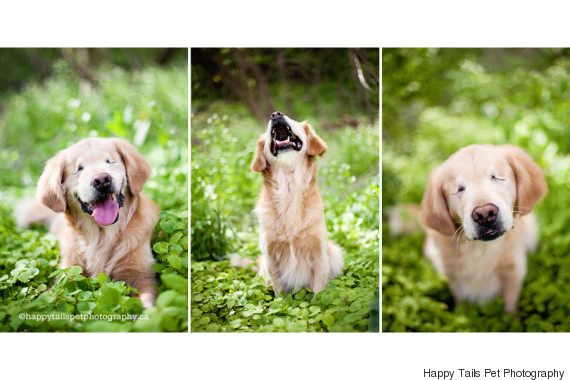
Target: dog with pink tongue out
pixel 97 211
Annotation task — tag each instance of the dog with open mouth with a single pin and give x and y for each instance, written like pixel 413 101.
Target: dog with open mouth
pixel 477 212
pixel 292 231
pixel 104 222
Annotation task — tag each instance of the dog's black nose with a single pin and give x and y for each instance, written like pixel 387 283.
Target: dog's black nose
pixel 102 182
pixel 276 115
pixel 485 214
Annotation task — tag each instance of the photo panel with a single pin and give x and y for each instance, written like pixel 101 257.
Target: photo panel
pixel 474 165
pixel 94 189
pixel 285 190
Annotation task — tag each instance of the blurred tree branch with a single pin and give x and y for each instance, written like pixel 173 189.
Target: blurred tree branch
pixel 282 68
pixel 79 61
pixel 322 83
pixel 237 74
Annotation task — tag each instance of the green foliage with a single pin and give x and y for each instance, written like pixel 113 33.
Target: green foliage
pixel 36 296
pixel 223 187
pixel 224 190
pixel 34 125
pixel 42 119
pixel 171 244
pixel 236 299
pixel 317 84
pixel 517 102
pixel 20 66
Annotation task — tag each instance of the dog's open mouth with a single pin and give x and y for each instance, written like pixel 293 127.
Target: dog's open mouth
pixel 283 138
pixel 105 210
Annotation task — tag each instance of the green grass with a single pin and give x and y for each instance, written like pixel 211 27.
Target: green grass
pixel 514 104
pixel 224 191
pixel 44 118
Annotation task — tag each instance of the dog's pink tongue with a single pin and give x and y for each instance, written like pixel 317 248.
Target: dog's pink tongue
pixel 105 212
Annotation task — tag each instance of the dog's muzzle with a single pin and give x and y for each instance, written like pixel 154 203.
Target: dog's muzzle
pixel 105 208
pixel 282 137
pixel 489 226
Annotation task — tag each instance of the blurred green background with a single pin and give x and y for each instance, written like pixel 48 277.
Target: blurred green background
pixel 234 91
pixel 435 101
pixel 49 100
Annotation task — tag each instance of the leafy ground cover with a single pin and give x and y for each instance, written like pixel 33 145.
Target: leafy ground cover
pixel 437 101
pixel 224 191
pixel 148 107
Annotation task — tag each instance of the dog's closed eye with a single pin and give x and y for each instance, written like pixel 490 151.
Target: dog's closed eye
pixel 495 178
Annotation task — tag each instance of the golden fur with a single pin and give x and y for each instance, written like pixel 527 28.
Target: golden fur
pixel 483 260
pixel 121 249
pixel 292 230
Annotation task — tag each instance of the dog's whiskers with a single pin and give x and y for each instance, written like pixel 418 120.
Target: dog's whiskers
pixel 521 210
pixel 460 232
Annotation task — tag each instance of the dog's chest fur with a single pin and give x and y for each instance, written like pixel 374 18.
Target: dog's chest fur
pixel 98 246
pixel 101 248
pixel 288 201
pixel 291 219
pixel 474 268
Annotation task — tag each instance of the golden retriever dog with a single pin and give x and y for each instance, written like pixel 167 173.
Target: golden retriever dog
pixel 105 223
pixel 292 230
pixel 477 209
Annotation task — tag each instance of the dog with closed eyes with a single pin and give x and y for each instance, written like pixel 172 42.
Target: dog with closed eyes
pixel 91 194
pixel 476 211
pixel 296 252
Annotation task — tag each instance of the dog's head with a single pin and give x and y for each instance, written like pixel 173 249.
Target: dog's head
pixel 286 143
pixel 482 188
pixel 93 177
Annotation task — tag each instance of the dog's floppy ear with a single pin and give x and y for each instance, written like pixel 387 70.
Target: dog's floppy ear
pixel 435 213
pixel 259 161
pixel 531 186
pixel 315 145
pixel 138 169
pixel 50 185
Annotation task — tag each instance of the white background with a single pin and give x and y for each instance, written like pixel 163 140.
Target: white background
pixel 294 23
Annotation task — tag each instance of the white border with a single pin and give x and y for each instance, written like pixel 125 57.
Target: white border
pixel 292 23
pixel 263 23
